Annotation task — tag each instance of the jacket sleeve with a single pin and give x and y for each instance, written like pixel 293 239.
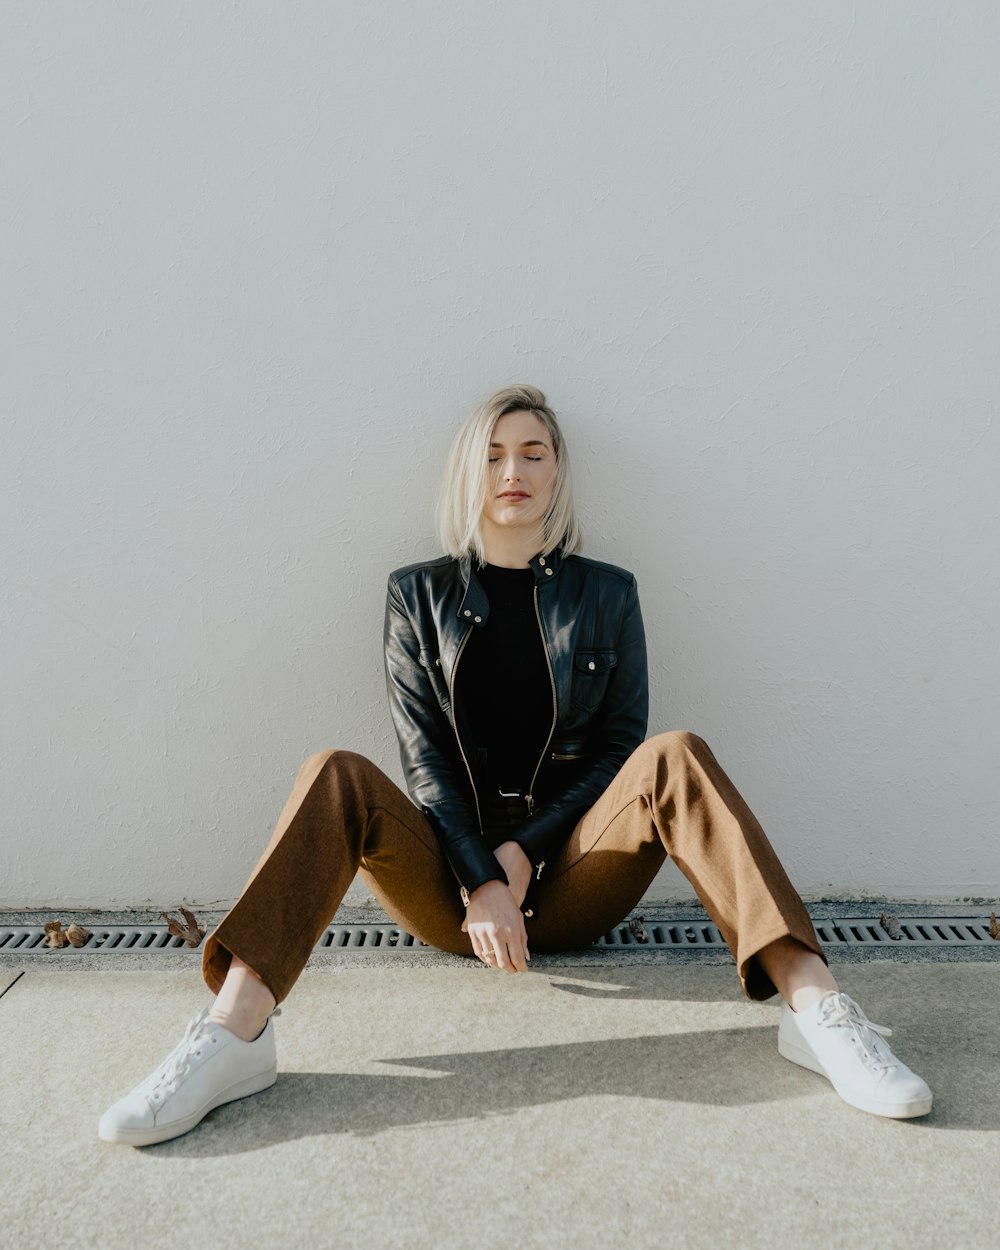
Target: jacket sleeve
pixel 428 749
pixel 620 727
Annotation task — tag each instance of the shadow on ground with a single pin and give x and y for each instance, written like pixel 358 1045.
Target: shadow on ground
pixel 731 1067
pixel 728 1068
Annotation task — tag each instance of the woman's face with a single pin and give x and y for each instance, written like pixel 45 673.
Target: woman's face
pixel 522 472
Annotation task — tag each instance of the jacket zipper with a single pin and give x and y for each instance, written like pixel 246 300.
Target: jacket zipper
pixel 529 797
pixel 454 724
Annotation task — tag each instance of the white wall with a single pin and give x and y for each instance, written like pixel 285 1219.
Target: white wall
pixel 261 260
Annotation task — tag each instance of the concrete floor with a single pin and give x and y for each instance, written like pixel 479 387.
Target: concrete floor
pixel 434 1103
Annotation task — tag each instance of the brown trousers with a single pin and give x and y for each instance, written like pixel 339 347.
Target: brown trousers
pixel 345 816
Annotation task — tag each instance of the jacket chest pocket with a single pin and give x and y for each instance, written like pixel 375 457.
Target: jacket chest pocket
pixel 591 673
pixel 431 661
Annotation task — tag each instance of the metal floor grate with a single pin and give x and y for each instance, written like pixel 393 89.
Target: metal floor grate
pixel 115 939
pixel 851 931
pixel 913 931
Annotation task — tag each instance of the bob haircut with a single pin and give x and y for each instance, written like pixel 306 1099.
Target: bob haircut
pixel 462 496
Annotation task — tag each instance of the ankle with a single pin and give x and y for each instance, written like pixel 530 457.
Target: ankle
pixel 247 1027
pixel 244 1001
pixel 805 996
pixel 799 975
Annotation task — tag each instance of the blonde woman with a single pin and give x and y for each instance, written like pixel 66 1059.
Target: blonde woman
pixel 540 812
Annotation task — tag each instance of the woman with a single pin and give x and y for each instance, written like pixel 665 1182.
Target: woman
pixel 516 672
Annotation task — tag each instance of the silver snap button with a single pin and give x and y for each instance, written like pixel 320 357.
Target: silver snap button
pixel 438 663
pixel 478 620
pixel 528 914
pixel 467 612
pixel 592 664
pixel 541 560
pixel 548 572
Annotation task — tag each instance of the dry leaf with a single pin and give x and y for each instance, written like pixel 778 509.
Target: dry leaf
pixel 78 935
pixel 891 926
pixel 191 931
pixel 994 927
pixel 197 930
pixel 54 935
pixel 638 928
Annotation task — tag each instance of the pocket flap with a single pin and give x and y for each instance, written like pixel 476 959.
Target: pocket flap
pixel 594 661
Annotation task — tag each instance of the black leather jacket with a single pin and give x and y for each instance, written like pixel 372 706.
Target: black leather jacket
pixel 589 616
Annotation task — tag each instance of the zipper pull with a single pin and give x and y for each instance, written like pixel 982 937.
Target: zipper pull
pixel 465 896
pixel 538 874
pixel 530 802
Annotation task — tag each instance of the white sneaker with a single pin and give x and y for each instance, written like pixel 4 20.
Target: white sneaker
pixel 209 1066
pixel 835 1038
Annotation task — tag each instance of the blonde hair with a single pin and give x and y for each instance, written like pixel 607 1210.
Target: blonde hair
pixel 462 496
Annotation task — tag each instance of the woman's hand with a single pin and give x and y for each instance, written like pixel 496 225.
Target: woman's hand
pixel 494 922
pixel 517 866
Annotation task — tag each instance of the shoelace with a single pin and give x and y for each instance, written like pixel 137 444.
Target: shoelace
pixel 178 1062
pixel 839 1010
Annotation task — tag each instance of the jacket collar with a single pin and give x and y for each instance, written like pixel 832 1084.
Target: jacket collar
pixel 474 608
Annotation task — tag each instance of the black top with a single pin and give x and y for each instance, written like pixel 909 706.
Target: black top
pixel 503 679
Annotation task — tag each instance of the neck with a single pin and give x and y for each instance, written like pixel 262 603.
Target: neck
pixel 510 548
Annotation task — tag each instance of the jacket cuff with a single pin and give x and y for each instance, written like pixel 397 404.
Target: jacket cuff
pixel 545 832
pixel 471 859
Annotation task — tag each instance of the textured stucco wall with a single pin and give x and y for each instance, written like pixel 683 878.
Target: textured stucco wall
pixel 260 260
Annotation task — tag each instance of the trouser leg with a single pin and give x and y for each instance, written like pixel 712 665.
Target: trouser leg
pixel 344 815
pixel 672 797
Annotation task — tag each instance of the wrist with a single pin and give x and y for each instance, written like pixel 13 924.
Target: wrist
pixel 514 853
pixel 487 888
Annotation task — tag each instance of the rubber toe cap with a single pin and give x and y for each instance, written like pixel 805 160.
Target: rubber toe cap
pixel 128 1116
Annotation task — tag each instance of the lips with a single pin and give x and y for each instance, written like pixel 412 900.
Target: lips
pixel 513 494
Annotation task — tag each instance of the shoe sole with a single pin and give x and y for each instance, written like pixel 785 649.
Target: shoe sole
pixel 803 1056
pixel 149 1136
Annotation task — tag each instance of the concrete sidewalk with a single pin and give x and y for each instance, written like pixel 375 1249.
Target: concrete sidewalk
pixel 440 1104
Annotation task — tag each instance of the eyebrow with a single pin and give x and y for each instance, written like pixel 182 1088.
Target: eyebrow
pixel 528 442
